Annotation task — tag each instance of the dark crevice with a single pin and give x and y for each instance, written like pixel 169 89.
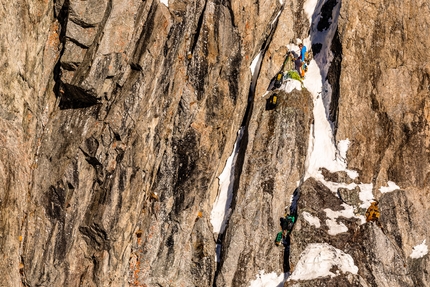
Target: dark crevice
pixel 199 28
pixel 62 18
pixel 333 77
pixel 82 23
pixel 251 93
pixel 227 4
pixel 79 44
pixel 286 241
pixel 96 236
pixel 144 37
pixel 92 160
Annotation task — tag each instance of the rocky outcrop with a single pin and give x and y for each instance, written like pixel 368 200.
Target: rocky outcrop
pixel 117 117
pixel 379 258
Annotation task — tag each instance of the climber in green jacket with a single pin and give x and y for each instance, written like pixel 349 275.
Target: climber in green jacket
pixel 287 224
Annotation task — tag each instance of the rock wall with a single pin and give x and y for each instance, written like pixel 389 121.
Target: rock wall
pixel 273 163
pixel 117 117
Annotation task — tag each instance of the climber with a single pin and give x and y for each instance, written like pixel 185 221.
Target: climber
pixel 287 223
pixel 300 61
pixel 372 213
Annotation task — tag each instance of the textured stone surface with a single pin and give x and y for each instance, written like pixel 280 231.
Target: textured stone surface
pixel 384 82
pixel 380 260
pixel 117 117
pixel 272 164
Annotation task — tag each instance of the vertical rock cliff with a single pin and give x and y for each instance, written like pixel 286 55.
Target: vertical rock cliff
pixel 117 119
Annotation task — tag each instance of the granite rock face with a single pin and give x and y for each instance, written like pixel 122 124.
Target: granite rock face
pixel 272 164
pixel 117 118
pixel 383 68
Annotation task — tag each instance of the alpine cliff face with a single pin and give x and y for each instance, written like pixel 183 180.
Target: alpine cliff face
pixel 118 117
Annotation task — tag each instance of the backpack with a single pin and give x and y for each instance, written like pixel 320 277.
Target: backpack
pixel 273 100
pixel 278 80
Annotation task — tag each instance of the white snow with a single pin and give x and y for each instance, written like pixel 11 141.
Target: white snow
pixel 309 8
pixel 290 85
pixel 419 250
pixel 165 2
pixel 347 212
pixel 313 220
pixel 322 149
pixel 391 187
pixel 256 62
pixel 342 147
pixel 338 227
pixel 221 208
pixel 335 227
pixel 268 280
pixel 366 194
pixel 318 259
pixel 277 16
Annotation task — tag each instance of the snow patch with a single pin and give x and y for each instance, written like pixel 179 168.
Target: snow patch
pixel 419 250
pixel 165 2
pixel 255 63
pixel 268 280
pixel 322 151
pixel 365 195
pixel 335 227
pixel 348 212
pixel 221 208
pixel 277 16
pixel 318 259
pixel 312 220
pixel 391 187
pixel 309 8
pixel 343 146
pixel 289 85
pixel 338 227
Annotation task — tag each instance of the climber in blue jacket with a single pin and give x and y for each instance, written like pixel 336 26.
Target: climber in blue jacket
pixel 300 62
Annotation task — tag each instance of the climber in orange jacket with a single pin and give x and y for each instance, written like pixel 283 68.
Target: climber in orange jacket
pixel 372 213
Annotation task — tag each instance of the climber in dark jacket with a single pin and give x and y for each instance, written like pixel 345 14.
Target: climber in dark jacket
pixel 287 223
